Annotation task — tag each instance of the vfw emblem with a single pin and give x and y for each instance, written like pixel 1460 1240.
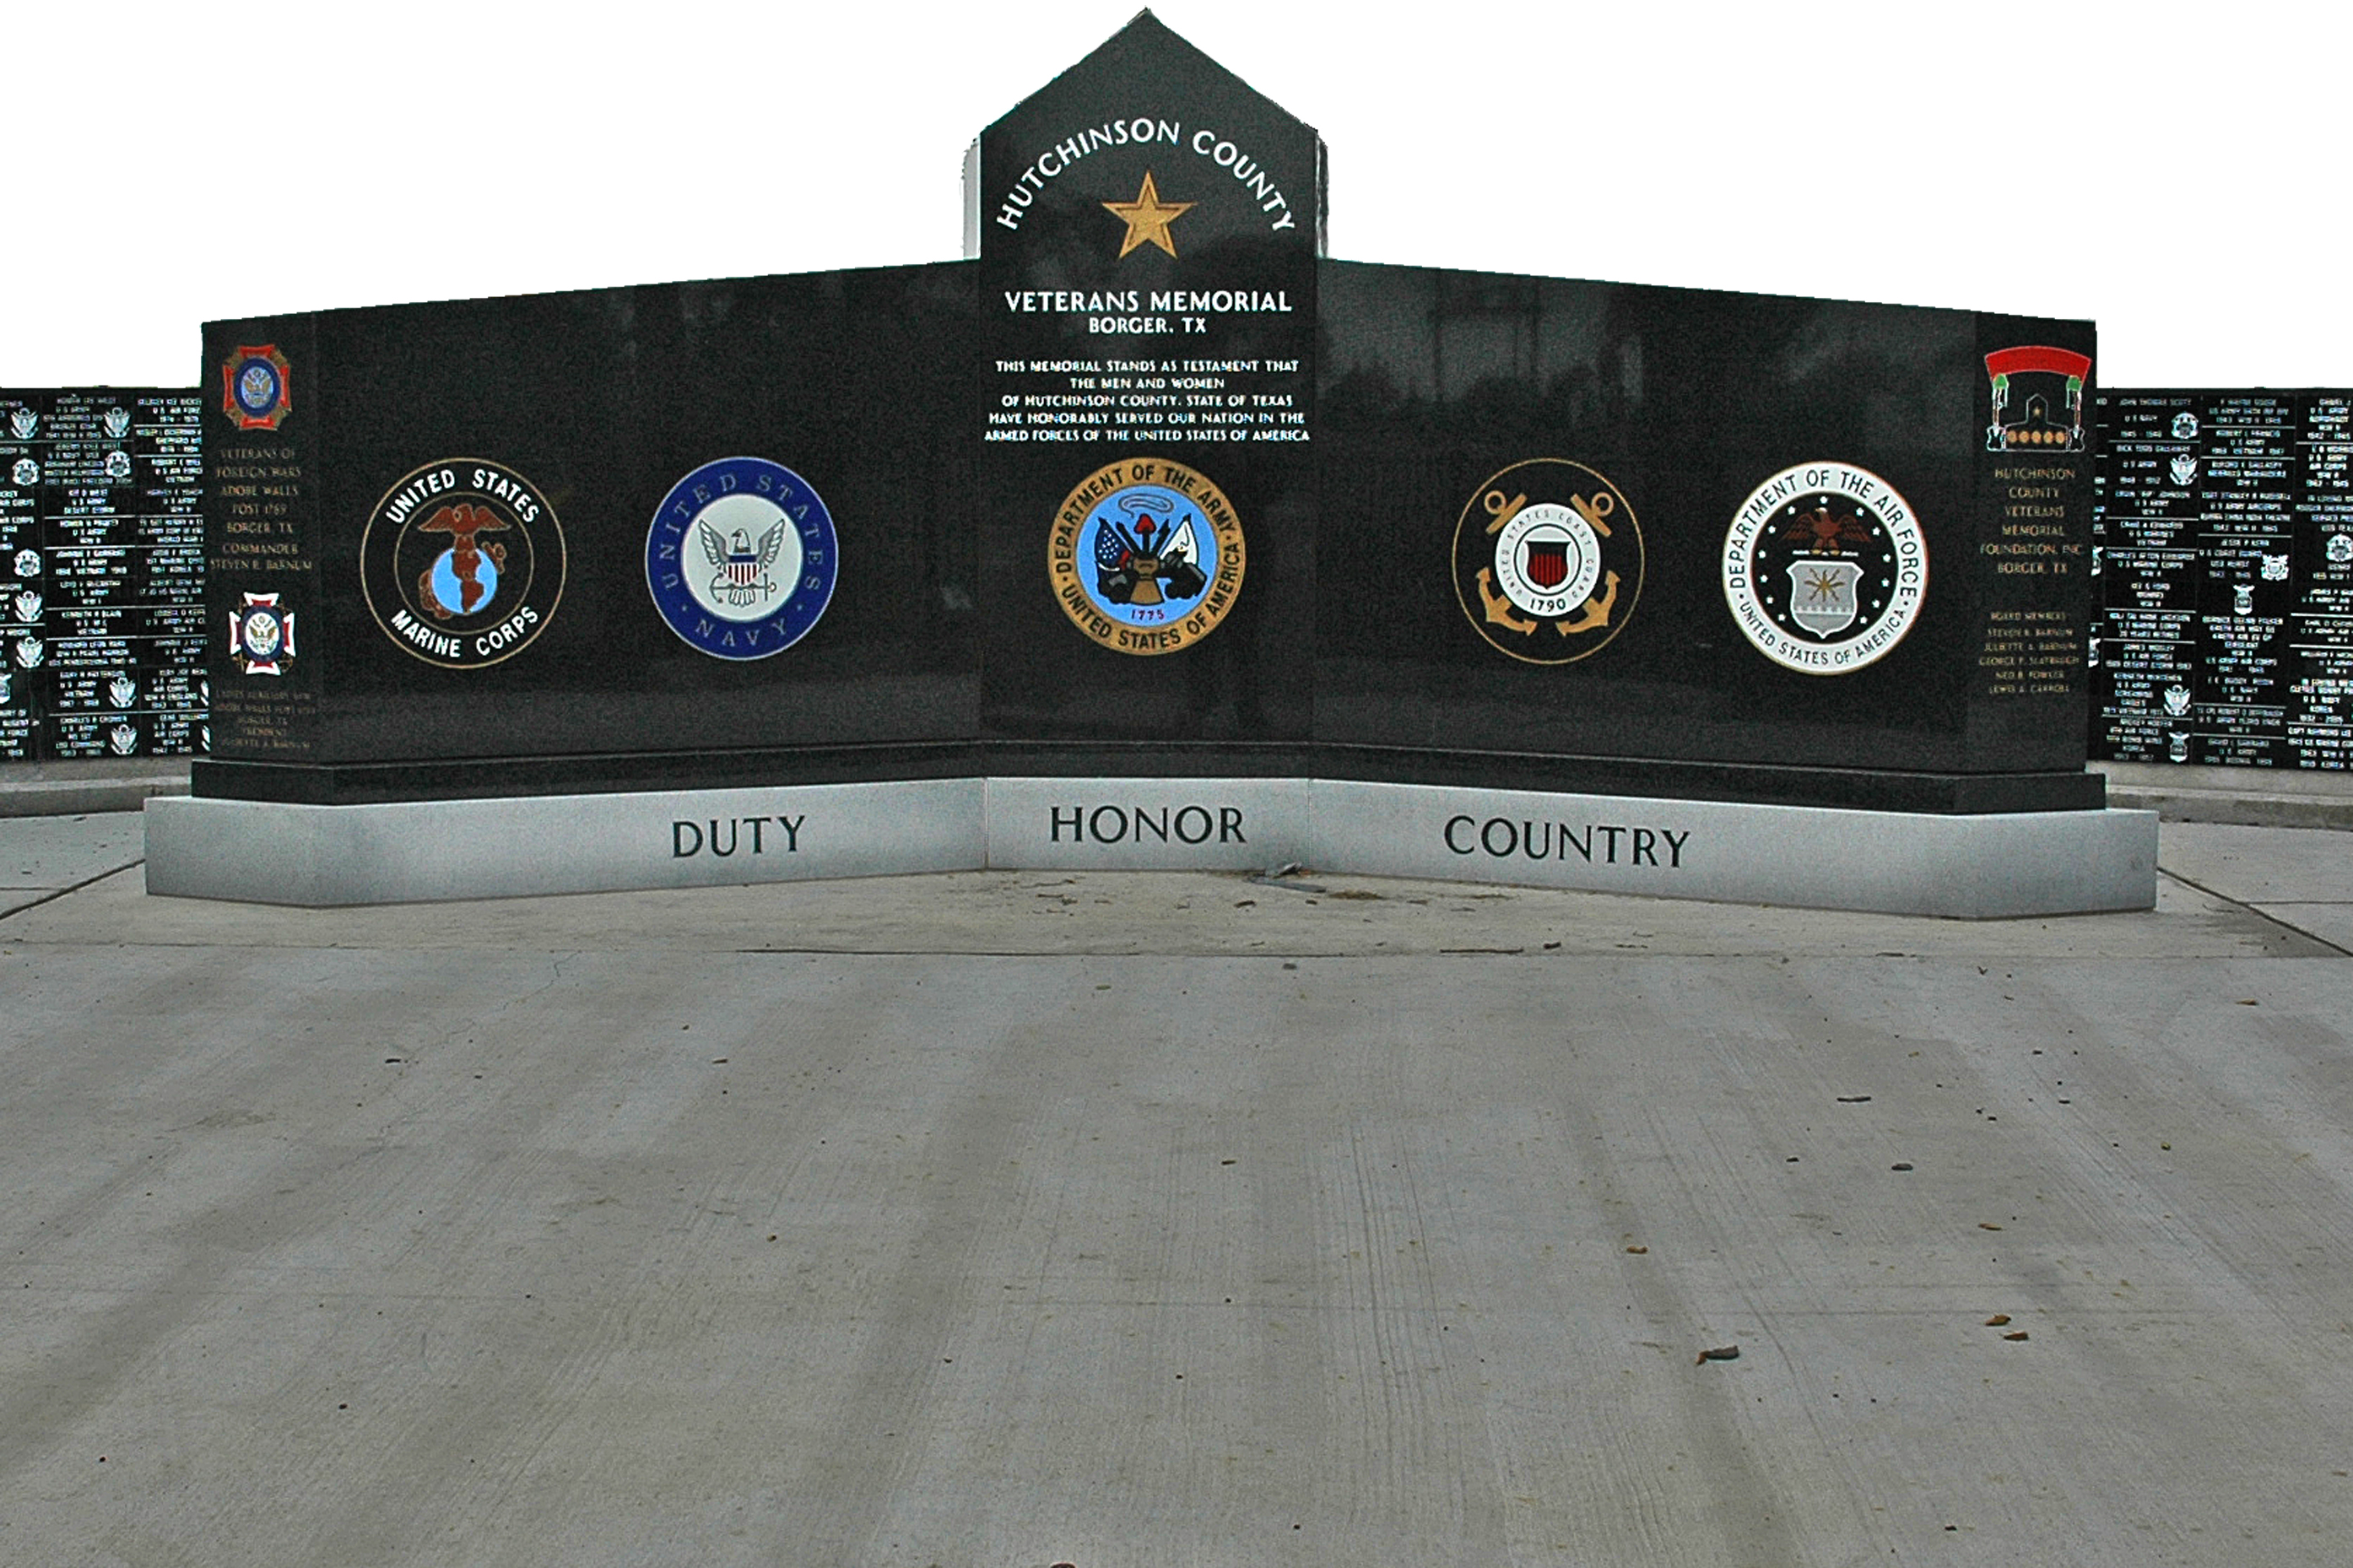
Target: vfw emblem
pixel 118 464
pixel 462 562
pixel 22 423
pixel 256 387
pixel 741 558
pixel 121 691
pixel 2038 398
pixel 25 472
pixel 2184 469
pixel 117 421
pixel 261 634
pixel 1825 568
pixel 28 563
pixel 2340 548
pixel 2185 426
pixel 1547 561
pixel 1146 557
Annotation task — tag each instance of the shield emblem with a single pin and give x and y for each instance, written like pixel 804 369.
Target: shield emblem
pixel 118 420
pixel 23 422
pixel 1544 562
pixel 2184 469
pixel 122 739
pixel 29 606
pixel 122 691
pixel 1821 594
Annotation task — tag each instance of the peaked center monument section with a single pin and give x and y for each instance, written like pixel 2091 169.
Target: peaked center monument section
pixel 1149 229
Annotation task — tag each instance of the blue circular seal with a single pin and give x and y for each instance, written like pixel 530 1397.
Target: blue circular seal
pixel 741 558
pixel 258 386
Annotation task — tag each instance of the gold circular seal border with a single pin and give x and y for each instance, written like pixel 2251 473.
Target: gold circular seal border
pixel 1642 557
pixel 1063 565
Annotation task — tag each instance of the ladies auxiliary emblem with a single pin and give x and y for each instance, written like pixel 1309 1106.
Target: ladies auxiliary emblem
pixel 1825 568
pixel 462 562
pixel 1547 561
pixel 1146 557
pixel 741 558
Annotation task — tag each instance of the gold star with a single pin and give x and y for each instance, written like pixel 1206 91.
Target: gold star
pixel 1147 218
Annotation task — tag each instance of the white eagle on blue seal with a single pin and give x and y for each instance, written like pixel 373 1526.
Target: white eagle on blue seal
pixel 743 578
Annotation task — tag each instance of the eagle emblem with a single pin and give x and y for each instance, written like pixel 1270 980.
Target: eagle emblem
pixel 744 578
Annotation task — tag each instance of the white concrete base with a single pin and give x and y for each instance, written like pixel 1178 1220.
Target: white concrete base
pixel 417 851
pixel 1971 868
pixel 1986 866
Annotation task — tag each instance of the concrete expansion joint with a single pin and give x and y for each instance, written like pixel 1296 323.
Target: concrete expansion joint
pixel 2257 911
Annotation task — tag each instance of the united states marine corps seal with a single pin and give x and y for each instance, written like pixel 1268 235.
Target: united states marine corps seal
pixel 1825 568
pixel 741 558
pixel 1547 561
pixel 462 562
pixel 1146 557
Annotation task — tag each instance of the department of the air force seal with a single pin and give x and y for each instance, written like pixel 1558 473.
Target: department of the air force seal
pixel 741 558
pixel 255 387
pixel 1547 561
pixel 1825 568
pixel 1146 557
pixel 462 562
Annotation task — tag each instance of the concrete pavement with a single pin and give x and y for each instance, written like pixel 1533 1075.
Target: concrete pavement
pixel 1017 1218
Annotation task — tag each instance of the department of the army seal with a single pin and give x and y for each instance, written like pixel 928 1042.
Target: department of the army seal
pixel 1145 556
pixel 1547 561
pixel 462 562
pixel 1825 568
pixel 741 558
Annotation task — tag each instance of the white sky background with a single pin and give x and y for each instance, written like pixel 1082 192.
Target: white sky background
pixel 2174 173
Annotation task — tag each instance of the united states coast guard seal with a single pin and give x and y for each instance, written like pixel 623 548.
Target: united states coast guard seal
pixel 741 558
pixel 1547 561
pixel 1825 568
pixel 462 562
pixel 1146 557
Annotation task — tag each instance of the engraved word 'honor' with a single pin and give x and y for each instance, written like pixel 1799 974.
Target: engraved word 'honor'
pixel 741 558
pixel 1146 557
pixel 1547 561
pixel 1825 568
pixel 462 562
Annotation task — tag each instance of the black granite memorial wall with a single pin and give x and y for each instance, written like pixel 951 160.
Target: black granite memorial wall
pixel 2224 526
pixel 1149 486
pixel 101 575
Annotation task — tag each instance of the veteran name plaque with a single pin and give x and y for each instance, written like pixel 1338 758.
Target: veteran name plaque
pixel 1147 535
